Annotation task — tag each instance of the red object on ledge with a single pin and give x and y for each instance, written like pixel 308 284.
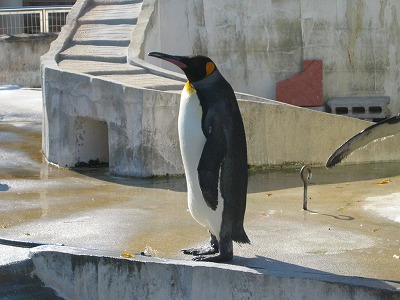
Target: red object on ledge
pixel 303 89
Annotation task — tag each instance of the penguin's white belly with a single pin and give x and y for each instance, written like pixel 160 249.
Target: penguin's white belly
pixel 192 140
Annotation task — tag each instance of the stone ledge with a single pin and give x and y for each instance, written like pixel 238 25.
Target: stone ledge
pixel 79 273
pixel 23 37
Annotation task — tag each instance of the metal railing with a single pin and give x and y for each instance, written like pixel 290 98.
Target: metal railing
pixel 33 19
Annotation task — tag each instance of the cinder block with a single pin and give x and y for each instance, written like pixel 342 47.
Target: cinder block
pixel 367 108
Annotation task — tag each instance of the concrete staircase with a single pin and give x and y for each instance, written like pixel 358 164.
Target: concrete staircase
pixel 99 46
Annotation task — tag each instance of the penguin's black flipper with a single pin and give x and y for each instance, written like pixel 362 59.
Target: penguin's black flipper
pixel 374 132
pixel 211 158
pixel 208 187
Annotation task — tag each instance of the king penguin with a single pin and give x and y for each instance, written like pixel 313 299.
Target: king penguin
pixel 214 153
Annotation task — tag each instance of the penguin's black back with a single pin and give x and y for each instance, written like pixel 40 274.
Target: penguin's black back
pixel 221 113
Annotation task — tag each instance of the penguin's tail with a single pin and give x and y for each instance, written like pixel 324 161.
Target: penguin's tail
pixel 240 236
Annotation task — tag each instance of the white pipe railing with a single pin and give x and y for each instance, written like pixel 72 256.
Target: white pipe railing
pixel 33 19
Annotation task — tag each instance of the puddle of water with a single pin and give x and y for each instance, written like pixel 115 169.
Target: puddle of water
pixel 25 175
pixel 277 179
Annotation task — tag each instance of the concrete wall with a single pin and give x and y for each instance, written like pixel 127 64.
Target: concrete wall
pixel 285 134
pixel 257 43
pixel 142 123
pixel 20 58
pixel 77 274
pixel 143 133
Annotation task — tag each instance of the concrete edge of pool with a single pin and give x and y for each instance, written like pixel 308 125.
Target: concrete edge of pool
pixel 75 273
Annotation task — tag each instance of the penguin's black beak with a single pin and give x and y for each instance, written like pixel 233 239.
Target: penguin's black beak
pixel 178 61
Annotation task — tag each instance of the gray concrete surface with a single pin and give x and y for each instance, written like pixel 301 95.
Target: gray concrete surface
pixel 346 246
pixel 138 105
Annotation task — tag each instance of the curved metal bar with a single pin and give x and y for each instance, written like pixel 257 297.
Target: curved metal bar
pixel 305 183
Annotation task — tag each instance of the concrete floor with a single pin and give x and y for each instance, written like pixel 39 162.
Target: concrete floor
pixel 351 228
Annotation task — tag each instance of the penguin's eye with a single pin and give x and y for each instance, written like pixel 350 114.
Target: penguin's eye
pixel 210 67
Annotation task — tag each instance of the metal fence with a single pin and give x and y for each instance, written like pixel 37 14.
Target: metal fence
pixel 32 19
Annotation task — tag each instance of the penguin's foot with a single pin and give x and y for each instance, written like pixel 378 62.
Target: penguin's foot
pixel 207 250
pixel 213 248
pixel 219 258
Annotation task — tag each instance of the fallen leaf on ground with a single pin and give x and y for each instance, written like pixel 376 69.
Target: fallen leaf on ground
pixel 127 255
pixel 384 181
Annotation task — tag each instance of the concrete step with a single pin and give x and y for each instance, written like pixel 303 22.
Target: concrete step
pixel 103 34
pixel 100 44
pixel 114 54
pixel 111 14
pixel 100 68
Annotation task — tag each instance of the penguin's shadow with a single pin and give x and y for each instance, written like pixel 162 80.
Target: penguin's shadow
pixel 277 268
pixel 270 266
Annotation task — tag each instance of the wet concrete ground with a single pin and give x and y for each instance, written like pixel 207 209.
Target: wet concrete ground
pixel 351 228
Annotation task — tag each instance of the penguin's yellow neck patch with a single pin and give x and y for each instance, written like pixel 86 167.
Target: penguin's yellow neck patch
pixel 188 88
pixel 210 67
